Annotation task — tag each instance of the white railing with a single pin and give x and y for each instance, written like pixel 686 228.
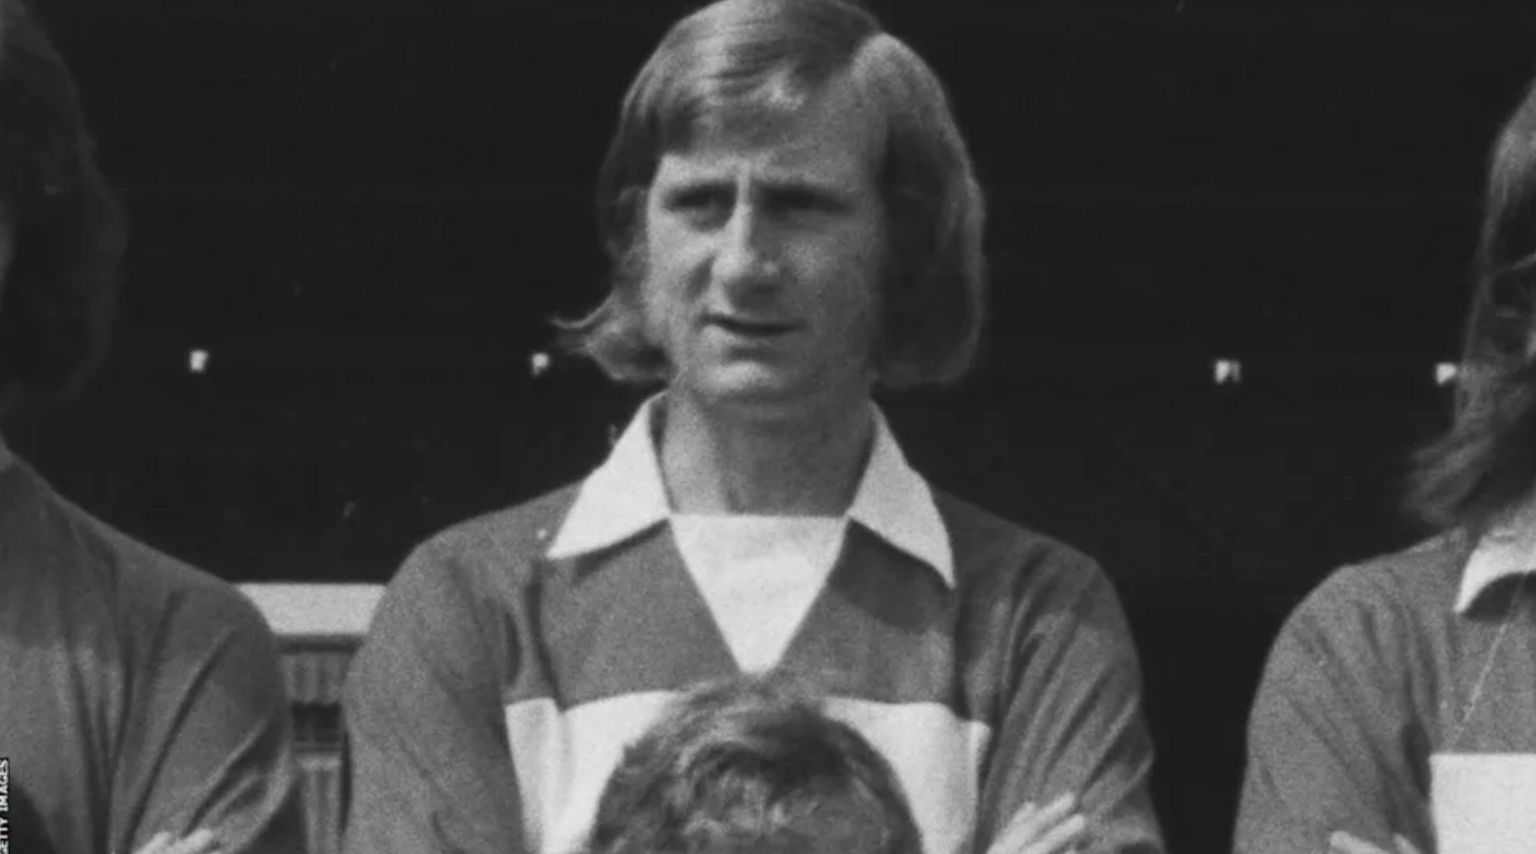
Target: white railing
pixel 318 627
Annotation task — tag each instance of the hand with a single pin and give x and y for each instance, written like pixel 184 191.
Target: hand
pixel 1344 843
pixel 198 842
pixel 1055 829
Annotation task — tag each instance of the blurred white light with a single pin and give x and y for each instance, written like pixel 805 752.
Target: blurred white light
pixel 197 361
pixel 1446 373
pixel 538 363
pixel 1227 371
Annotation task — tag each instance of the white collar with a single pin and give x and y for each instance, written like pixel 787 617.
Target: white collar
pixel 1508 548
pixel 625 495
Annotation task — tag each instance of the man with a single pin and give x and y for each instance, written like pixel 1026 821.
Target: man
pixel 1398 708
pixel 141 707
pixel 792 218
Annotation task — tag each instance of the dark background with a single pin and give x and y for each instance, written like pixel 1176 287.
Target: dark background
pixel 365 213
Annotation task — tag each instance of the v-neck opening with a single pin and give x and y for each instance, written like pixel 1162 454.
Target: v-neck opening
pixel 759 579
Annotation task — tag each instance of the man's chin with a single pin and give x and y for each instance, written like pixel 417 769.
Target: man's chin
pixel 759 393
pixel 767 391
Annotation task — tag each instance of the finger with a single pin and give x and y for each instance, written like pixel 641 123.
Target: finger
pixel 1062 806
pixel 1030 823
pixel 1022 820
pixel 156 844
pixel 1052 813
pixel 198 842
pixel 1403 845
pixel 1060 837
pixel 1344 843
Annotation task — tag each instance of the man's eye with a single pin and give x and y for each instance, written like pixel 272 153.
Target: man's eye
pixel 699 202
pixel 802 201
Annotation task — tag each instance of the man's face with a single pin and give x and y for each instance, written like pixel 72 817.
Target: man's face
pixel 763 255
pixel 836 825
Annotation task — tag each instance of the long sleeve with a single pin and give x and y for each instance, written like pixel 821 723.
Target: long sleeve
pixel 1332 739
pixel 207 740
pixel 1073 721
pixel 431 770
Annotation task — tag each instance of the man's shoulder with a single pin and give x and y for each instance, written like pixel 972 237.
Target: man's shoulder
pixel 447 606
pixel 1420 579
pixel 519 529
pixel 991 550
pixel 502 542
pixel 141 588
pixel 1384 600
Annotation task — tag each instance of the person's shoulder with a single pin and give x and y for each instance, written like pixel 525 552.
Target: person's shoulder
pixel 143 588
pixel 195 594
pixel 976 528
pixel 449 600
pixel 1415 584
pixel 1379 608
pixel 994 555
pixel 500 544
pixel 513 531
pixel 1024 589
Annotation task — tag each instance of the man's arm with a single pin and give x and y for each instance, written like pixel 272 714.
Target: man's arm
pixel 207 742
pixel 430 768
pixel 1330 745
pixel 1073 722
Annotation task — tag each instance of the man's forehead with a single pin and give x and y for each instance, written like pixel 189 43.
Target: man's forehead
pixel 819 138
pixel 767 163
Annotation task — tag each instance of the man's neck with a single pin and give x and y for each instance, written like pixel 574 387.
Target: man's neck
pixel 714 463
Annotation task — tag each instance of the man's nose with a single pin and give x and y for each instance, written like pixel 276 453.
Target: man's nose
pixel 745 254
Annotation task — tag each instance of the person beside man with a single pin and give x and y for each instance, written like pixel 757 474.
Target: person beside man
pixel 754 764
pixel 792 220
pixel 751 764
pixel 141 706
pixel 1398 707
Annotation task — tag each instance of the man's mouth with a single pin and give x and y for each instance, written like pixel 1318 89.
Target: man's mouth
pixel 749 326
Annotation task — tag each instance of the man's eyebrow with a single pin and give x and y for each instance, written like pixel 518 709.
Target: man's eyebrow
pixel 699 175
pixel 794 182
pixel 682 186
pixel 707 179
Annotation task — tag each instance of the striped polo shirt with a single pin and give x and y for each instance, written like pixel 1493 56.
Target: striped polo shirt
pixel 1389 669
pixel 990 665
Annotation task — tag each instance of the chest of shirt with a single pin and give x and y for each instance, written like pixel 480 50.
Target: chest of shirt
pixel 616 641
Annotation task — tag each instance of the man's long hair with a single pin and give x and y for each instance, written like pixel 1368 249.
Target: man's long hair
pixel 752 62
pixel 1486 461
pixel 57 297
